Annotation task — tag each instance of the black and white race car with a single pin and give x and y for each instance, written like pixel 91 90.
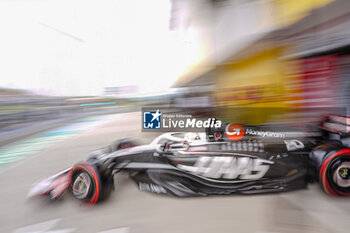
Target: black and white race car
pixel 199 164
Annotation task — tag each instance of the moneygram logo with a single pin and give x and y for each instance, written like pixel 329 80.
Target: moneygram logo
pixel 234 131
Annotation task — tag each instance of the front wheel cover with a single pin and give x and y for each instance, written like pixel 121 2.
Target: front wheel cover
pixel 327 173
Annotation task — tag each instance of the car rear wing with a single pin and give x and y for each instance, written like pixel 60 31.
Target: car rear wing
pixel 336 127
pixel 336 124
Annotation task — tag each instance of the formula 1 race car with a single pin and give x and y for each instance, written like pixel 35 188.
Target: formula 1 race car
pixel 199 164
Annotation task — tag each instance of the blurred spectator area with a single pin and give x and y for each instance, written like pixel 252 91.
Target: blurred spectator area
pixel 283 54
pixel 20 108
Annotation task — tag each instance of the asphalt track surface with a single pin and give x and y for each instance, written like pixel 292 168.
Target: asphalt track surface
pixel 131 211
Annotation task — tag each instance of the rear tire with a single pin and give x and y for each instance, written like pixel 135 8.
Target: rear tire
pixel 332 169
pixel 334 174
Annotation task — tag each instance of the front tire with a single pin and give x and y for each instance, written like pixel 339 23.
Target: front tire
pixel 89 184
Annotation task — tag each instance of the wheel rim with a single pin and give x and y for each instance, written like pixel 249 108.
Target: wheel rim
pixel 81 185
pixel 341 175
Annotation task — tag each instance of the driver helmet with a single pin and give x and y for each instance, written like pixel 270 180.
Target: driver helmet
pixel 190 137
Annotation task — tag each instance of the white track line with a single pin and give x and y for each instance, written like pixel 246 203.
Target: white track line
pixel 117 230
pixel 43 227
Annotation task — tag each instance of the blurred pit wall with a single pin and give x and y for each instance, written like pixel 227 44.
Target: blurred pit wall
pixel 265 59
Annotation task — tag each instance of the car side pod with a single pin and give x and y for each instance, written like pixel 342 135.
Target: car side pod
pixel 332 166
pixel 89 183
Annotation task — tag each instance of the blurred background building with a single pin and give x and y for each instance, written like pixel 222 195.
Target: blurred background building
pixel 267 53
